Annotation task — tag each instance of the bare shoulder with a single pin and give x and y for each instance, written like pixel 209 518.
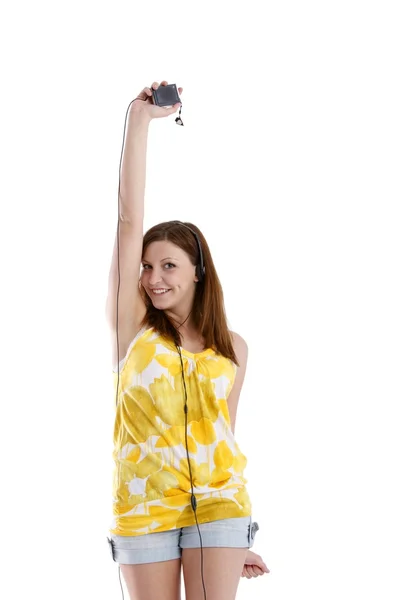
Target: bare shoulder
pixel 240 346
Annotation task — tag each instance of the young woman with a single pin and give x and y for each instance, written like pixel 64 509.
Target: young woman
pixel 174 348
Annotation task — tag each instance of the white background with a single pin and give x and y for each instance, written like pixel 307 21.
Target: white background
pixel 289 163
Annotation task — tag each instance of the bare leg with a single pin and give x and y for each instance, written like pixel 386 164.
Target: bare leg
pixel 222 570
pixel 153 580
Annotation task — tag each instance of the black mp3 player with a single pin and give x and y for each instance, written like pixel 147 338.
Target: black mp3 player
pixel 166 95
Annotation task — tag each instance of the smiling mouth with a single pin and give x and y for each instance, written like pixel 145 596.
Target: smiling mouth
pixel 160 293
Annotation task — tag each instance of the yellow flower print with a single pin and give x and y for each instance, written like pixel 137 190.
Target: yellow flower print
pixel 239 462
pixel 164 516
pixel 223 457
pixel 192 446
pixel 219 478
pixel 242 497
pixel 122 505
pixel 183 478
pixel 183 474
pixel 205 508
pixel 175 497
pixel 144 352
pixel 210 408
pixel 169 399
pixel 172 362
pixel 124 500
pixel 134 454
pixel 157 511
pixel 232 377
pixel 152 483
pixel 174 436
pixel 150 464
pixel 223 405
pixel 184 467
pixel 124 381
pixel 159 482
pixel 129 469
pixel 137 413
pixel 214 366
pixel 203 432
pixel 139 358
pixel 202 474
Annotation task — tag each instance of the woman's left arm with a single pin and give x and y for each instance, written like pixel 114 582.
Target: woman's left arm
pixel 241 351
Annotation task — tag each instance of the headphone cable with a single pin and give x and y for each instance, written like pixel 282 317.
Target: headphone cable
pixel 193 500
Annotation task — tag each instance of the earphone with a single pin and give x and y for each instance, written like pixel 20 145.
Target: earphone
pixel 200 273
pixel 200 268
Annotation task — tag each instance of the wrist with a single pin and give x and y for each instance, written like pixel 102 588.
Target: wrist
pixel 138 118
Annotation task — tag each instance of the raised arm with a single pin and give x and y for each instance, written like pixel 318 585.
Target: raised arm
pixel 131 308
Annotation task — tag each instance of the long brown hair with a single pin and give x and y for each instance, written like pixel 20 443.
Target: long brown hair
pixel 208 310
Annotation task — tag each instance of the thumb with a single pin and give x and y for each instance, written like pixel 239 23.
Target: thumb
pixel 264 567
pixel 261 564
pixel 174 108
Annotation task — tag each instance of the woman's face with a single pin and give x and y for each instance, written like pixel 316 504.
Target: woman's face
pixel 168 267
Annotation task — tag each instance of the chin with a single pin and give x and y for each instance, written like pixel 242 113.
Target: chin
pixel 161 303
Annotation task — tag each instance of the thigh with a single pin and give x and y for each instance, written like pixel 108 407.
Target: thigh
pixel 225 545
pixel 222 568
pixel 150 564
pixel 153 580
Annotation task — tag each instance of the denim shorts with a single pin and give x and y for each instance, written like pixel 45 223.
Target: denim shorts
pixel 167 545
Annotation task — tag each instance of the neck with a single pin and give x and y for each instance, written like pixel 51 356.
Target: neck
pixel 182 316
pixel 180 320
pixel 183 320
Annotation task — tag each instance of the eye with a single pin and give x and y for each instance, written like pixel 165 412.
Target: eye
pixel 144 267
pixel 172 265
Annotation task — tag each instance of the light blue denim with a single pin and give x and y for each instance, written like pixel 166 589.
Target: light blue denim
pixel 167 545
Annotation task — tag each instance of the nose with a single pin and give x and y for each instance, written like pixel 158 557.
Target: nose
pixel 154 278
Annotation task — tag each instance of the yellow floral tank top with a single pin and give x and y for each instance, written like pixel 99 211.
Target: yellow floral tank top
pixel 151 480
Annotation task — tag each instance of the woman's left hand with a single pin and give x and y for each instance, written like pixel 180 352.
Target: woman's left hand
pixel 254 565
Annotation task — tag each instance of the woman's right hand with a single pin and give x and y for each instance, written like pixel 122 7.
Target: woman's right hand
pixel 144 107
